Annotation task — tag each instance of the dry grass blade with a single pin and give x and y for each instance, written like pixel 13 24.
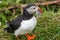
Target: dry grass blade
pixel 23 5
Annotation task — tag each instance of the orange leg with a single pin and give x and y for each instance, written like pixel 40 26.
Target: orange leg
pixel 17 38
pixel 30 37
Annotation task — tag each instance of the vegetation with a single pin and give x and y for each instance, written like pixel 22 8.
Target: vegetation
pixel 48 26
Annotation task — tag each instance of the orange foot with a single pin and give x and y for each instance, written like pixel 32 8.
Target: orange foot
pixel 30 37
pixel 17 38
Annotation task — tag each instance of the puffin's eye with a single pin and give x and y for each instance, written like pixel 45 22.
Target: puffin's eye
pixel 33 8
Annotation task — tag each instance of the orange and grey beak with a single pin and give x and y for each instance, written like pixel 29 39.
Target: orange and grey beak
pixel 38 12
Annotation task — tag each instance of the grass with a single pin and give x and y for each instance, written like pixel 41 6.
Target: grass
pixel 48 28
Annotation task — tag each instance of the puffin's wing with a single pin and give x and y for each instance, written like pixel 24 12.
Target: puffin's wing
pixel 14 24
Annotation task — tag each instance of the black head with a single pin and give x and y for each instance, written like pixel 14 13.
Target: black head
pixel 30 9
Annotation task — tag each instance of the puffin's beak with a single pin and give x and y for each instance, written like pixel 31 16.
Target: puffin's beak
pixel 38 12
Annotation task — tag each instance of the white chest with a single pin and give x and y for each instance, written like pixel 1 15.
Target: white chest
pixel 27 26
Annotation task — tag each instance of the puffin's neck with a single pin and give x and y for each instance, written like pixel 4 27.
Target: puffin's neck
pixel 26 15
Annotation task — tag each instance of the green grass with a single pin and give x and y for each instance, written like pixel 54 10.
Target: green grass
pixel 48 28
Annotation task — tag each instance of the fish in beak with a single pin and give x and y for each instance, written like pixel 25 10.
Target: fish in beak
pixel 38 12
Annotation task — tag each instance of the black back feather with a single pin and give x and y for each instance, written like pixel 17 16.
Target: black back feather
pixel 14 24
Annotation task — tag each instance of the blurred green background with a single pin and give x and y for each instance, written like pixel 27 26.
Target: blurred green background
pixel 48 26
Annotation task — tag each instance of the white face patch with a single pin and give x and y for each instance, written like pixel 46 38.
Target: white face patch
pixel 32 9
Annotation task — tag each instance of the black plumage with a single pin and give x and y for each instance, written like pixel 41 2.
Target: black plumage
pixel 14 24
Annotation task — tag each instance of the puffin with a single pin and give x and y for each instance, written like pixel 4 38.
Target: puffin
pixel 25 23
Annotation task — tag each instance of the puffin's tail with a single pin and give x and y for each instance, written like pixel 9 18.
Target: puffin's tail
pixel 9 30
pixel 6 29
